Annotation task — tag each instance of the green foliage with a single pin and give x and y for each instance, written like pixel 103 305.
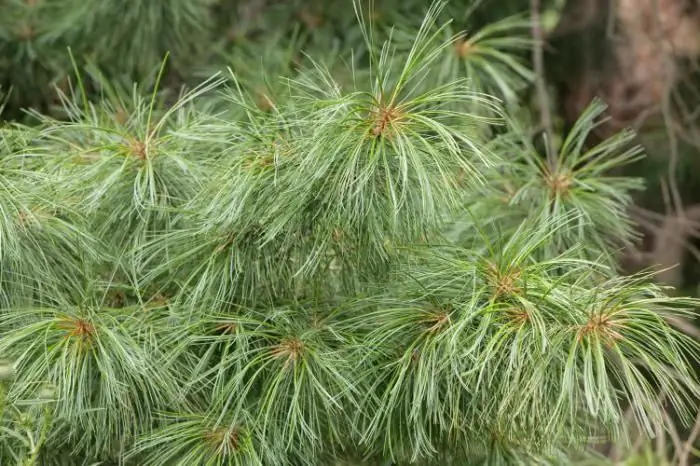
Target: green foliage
pixel 36 35
pixel 372 264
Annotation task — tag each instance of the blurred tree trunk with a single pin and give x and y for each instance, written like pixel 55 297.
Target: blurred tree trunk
pixel 628 52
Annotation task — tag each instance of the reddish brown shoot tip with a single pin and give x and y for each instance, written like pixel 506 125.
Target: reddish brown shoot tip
pixel 290 349
pixel 77 328
pixel 384 118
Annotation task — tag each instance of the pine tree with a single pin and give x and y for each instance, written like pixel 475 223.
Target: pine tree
pixel 360 255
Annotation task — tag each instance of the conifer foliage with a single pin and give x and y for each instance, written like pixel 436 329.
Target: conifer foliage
pixel 366 260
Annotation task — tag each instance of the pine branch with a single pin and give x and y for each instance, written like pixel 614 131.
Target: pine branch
pixel 376 263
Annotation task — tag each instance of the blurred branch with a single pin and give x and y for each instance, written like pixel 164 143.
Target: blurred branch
pixel 540 83
pixel 577 16
pixel 248 12
pixel 670 233
pixel 684 455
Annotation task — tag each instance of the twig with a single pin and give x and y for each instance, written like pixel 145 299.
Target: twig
pixel 670 237
pixel 667 113
pixel 683 325
pixel 672 432
pixel 691 212
pixel 661 440
pixel 688 446
pixel 541 84
pixel 673 159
